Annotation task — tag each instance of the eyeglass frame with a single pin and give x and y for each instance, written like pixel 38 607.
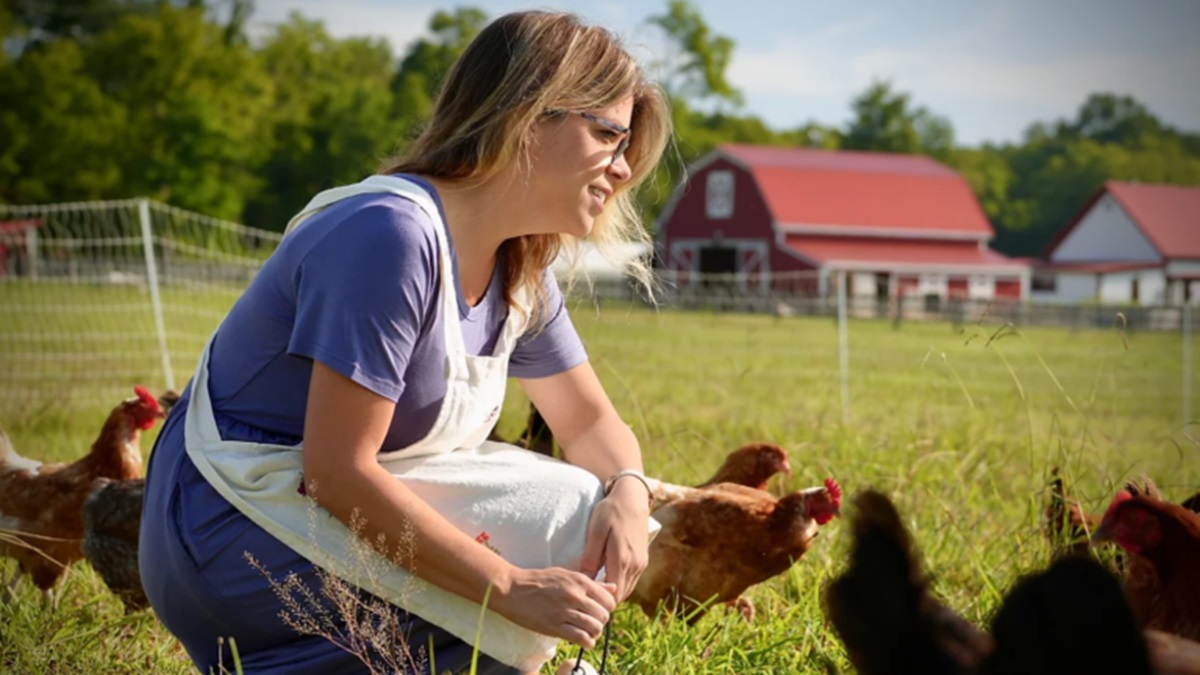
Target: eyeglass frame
pixel 622 145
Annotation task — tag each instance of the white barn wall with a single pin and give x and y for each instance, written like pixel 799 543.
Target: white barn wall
pixel 1152 287
pixel 1074 288
pixel 1117 288
pixel 863 284
pixel 1105 233
pixel 981 287
pixel 1184 268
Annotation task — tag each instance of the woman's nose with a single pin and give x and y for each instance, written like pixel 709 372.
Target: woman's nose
pixel 620 170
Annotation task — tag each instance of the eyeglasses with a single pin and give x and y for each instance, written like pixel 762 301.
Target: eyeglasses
pixel 622 145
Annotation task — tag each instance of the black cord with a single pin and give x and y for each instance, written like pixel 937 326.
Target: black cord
pixel 578 669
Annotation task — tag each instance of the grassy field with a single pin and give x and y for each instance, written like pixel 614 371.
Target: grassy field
pixel 960 426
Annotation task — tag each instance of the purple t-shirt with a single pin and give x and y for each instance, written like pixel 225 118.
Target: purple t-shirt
pixel 356 287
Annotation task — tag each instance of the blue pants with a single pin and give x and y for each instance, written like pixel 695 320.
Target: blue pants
pixel 192 555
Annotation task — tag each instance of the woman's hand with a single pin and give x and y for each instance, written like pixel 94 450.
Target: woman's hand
pixel 557 602
pixel 618 536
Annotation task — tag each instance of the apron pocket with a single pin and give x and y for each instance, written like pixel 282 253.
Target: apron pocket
pixel 208 524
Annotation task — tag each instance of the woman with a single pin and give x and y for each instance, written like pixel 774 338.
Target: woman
pixel 366 363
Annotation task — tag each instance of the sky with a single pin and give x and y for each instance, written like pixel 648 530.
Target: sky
pixel 992 67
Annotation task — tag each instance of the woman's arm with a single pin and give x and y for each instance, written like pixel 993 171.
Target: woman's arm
pixel 344 427
pixel 593 436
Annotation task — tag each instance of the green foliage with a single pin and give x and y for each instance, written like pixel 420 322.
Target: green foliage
pixel 168 99
pixel 990 176
pixel 419 79
pixel 695 68
pixel 70 19
pixel 330 117
pixel 1060 166
pixel 886 121
pixel 58 127
pixel 196 109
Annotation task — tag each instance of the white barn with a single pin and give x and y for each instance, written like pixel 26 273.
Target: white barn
pixel 1130 244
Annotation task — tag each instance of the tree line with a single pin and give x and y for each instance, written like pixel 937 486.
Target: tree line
pixel 173 100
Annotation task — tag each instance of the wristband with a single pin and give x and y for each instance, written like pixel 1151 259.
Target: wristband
pixel 632 473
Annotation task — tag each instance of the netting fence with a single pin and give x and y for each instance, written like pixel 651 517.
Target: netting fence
pixel 97 296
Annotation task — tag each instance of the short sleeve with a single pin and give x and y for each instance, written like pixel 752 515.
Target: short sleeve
pixel 555 348
pixel 365 294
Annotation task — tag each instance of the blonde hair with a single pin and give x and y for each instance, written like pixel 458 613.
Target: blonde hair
pixel 519 68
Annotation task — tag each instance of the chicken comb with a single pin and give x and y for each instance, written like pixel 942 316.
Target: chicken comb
pixel 835 491
pixel 146 398
pixel 1118 499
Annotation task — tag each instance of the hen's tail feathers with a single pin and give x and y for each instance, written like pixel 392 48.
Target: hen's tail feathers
pixel 10 460
pixel 1145 487
pixel 112 518
pixel 167 400
pixel 1054 620
pixel 881 606
pixel 1067 527
pixel 664 493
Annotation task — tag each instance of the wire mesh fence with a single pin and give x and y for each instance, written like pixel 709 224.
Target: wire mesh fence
pixel 97 296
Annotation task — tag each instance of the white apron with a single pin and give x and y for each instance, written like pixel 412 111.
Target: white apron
pixel 531 509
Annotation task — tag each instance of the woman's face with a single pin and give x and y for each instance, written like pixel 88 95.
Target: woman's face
pixel 573 174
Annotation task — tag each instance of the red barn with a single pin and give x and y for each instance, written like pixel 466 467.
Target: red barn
pixel 896 224
pixel 15 236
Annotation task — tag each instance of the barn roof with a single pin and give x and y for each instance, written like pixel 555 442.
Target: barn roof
pixel 1168 215
pixel 899 253
pixel 875 193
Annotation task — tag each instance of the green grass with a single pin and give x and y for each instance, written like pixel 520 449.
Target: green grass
pixel 959 430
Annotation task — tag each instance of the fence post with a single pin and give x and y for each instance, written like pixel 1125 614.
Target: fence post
pixel 31 252
pixel 155 298
pixel 1187 363
pixel 843 345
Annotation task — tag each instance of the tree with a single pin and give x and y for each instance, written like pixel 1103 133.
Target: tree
pixel 1108 118
pixel 694 70
pixel 59 129
pixel 990 175
pixel 331 116
pixel 886 121
pixel 195 109
pixel 428 61
pixel 1061 164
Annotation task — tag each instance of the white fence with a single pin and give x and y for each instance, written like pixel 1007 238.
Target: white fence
pixel 96 296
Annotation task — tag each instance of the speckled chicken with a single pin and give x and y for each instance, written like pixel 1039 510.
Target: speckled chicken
pixel 112 516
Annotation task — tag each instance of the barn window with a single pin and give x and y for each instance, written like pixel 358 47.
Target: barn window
pixel 718 194
pixel 1044 281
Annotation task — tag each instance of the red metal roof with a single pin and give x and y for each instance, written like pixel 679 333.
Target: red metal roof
pixel 908 194
pixel 885 252
pixel 1169 215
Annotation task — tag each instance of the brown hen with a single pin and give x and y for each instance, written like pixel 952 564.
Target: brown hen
pixel 752 465
pixel 42 505
pixel 718 541
pixel 1166 538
